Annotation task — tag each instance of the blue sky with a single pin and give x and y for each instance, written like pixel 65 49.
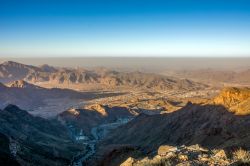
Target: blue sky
pixel 124 28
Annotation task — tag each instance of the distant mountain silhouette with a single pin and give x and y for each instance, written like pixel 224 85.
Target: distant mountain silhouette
pixel 214 76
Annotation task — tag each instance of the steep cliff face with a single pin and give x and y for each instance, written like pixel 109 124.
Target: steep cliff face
pixel 236 100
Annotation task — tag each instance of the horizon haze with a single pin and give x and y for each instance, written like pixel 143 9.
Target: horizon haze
pixel 149 64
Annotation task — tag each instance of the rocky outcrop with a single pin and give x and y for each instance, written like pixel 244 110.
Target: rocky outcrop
pixel 236 100
pixel 97 107
pixel 164 149
pixel 22 84
pixel 187 155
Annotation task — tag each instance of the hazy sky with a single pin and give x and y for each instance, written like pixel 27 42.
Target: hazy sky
pixel 124 28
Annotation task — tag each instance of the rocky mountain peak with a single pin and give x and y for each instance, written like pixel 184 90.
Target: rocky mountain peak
pixel 74 111
pixel 14 110
pixel 11 107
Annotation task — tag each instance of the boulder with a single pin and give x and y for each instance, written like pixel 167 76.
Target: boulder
pixel 128 162
pixel 183 157
pixel 221 154
pixel 164 149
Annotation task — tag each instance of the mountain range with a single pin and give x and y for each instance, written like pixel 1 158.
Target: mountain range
pixel 213 76
pixel 12 71
pixel 132 116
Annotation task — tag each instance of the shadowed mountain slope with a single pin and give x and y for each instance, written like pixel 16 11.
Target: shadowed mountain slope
pixel 29 96
pixel 210 125
pixel 207 125
pixel 34 140
pixel 89 117
pixel 6 157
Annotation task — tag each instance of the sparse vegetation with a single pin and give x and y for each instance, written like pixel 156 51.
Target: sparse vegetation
pixel 242 156
pixel 193 155
pixel 160 162
pixel 156 162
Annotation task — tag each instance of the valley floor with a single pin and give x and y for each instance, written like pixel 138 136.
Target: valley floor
pixel 98 133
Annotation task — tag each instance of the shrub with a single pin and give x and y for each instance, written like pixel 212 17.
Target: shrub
pixel 242 156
